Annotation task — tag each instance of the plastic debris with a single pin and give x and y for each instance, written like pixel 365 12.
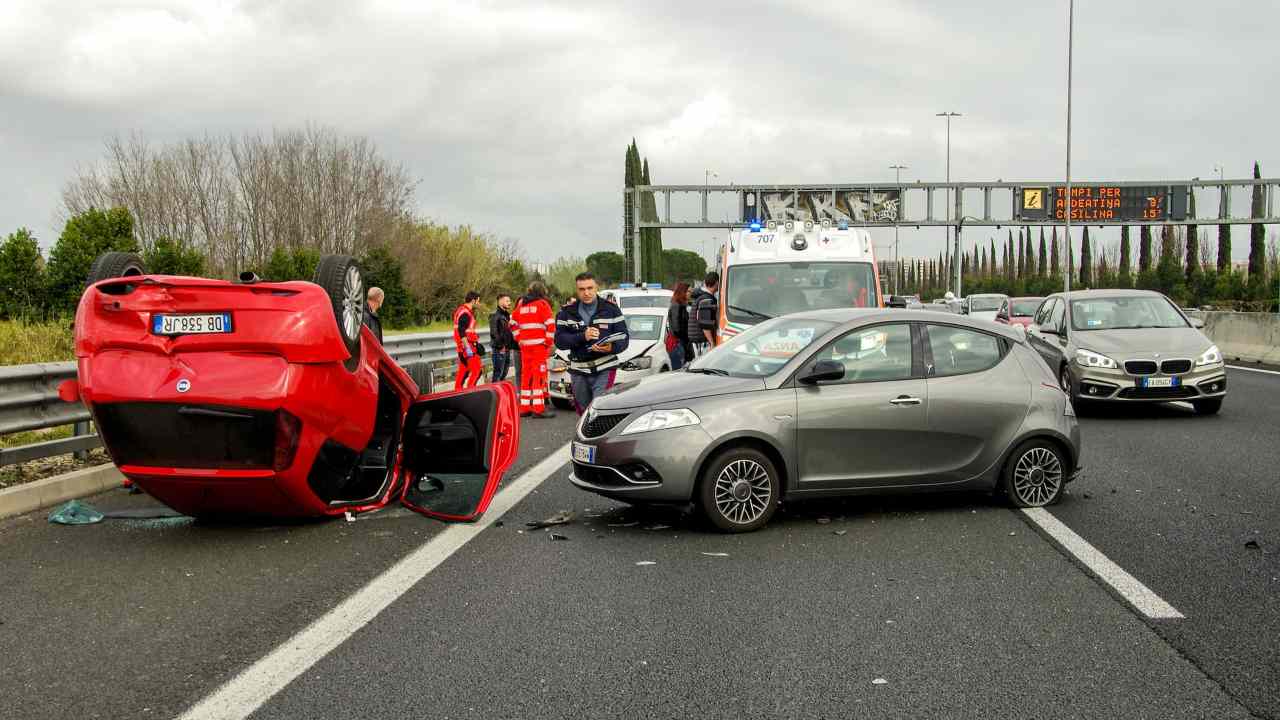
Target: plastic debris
pixel 350 516
pixel 556 536
pixel 879 681
pixel 1253 545
pixel 626 524
pixel 564 517
pixel 499 523
pixel 839 532
pixel 717 554
pixel 76 513
pixel 646 562
pixel 824 520
pixel 658 527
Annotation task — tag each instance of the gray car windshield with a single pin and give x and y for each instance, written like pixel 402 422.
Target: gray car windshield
pixel 759 292
pixel 762 350
pixel 1125 313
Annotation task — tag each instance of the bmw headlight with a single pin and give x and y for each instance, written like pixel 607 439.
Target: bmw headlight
pixel 640 363
pixel 661 420
pixel 1090 359
pixel 1212 356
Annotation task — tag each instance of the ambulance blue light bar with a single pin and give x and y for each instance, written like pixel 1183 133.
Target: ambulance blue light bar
pixel 755 227
pixel 844 225
pixel 626 286
pixel 654 286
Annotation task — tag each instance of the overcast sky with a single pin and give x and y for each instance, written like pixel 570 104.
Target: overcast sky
pixel 515 117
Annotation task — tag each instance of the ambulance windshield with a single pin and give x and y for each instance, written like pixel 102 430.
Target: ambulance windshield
pixel 772 289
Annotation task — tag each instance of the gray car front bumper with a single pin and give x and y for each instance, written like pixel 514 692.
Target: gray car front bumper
pixel 658 466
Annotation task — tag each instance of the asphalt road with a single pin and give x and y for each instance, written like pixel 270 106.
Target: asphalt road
pixel 958 604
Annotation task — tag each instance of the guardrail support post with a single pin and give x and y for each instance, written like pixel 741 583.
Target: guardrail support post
pixel 79 429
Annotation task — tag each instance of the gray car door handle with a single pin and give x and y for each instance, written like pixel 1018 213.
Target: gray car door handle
pixel 905 400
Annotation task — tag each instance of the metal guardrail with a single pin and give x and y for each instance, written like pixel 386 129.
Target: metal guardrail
pixel 29 395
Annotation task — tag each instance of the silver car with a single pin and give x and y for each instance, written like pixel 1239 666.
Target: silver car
pixel 835 402
pixel 1128 346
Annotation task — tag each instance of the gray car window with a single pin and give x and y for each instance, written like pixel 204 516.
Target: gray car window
pixel 957 351
pixel 872 354
pixel 1056 314
pixel 1042 315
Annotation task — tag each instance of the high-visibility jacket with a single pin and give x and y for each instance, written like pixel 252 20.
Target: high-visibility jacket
pixel 464 331
pixel 533 324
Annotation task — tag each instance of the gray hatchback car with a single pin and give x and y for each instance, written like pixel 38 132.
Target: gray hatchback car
pixel 1128 346
pixel 835 402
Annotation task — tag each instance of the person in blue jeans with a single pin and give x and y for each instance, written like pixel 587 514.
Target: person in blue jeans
pixel 678 327
pixel 593 331
pixel 500 339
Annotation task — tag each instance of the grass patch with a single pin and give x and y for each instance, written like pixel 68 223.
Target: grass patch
pixel 23 342
pixel 31 437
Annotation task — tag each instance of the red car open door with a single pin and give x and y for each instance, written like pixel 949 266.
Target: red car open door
pixel 456 448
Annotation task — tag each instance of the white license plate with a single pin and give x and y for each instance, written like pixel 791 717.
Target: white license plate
pixel 202 324
pixel 584 453
pixel 1159 382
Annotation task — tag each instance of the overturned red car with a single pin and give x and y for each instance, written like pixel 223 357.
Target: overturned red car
pixel 272 398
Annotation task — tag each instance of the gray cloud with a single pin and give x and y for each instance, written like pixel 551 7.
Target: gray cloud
pixel 515 116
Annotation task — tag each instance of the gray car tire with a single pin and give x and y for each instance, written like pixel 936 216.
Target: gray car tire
pixel 1035 474
pixel 740 490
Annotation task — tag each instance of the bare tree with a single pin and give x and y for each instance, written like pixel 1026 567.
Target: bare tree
pixel 240 198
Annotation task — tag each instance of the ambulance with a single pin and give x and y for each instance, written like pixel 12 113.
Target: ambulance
pixel 783 267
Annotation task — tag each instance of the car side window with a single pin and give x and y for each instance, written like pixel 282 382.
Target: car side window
pixel 873 354
pixel 958 351
pixel 1056 315
pixel 1042 312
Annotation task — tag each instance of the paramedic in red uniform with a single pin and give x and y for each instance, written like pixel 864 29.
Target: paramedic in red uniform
pixel 470 367
pixel 534 326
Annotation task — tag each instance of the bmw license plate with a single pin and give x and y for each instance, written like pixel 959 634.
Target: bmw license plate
pixel 584 453
pixel 202 324
pixel 1158 382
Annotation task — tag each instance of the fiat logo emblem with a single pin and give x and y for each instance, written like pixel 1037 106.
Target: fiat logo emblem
pixel 184 385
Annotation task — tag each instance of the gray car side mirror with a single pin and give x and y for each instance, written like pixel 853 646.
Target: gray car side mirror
pixel 823 371
pixel 1197 323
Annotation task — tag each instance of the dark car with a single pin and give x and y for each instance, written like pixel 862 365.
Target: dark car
pixel 272 398
pixel 835 402
pixel 1128 346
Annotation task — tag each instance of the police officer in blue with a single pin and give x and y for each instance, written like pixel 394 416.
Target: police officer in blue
pixel 593 331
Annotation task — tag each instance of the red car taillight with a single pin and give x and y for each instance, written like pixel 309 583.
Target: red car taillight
pixel 288 431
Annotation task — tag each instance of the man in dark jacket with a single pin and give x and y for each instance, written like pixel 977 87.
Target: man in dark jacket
pixel 373 303
pixel 704 313
pixel 500 338
pixel 593 331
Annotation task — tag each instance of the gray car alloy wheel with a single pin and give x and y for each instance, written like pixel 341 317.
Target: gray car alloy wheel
pixel 742 491
pixel 352 302
pixel 1037 477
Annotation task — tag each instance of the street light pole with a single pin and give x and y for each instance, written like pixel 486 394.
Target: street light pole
pixel 1071 20
pixel 956 256
pixel 897 170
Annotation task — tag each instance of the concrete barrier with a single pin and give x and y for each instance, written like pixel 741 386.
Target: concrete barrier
pixel 1247 337
pixel 51 491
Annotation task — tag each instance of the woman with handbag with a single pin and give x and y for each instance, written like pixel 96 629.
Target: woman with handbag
pixel 679 347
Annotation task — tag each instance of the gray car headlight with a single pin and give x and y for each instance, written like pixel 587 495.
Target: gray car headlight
pixel 1212 356
pixel 1089 358
pixel 640 363
pixel 661 420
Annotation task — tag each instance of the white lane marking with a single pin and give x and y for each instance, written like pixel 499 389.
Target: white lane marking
pixel 249 690
pixel 1269 372
pixel 1129 587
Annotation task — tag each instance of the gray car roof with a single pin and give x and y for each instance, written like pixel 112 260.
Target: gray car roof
pixel 863 316
pixel 1117 292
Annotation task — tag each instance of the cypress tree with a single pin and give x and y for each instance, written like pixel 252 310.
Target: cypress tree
pixel 1144 249
pixel 1044 269
pixel 651 238
pixel 1101 279
pixel 1257 239
pixel 1022 255
pixel 1086 260
pixel 1010 267
pixel 628 214
pixel 1126 279
pixel 1224 248
pixel 1055 260
pixel 1029 253
pixel 993 269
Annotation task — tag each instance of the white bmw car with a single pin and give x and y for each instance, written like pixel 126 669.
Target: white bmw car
pixel 646 354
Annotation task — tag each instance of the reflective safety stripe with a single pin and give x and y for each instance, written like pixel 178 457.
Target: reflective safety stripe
pixel 534 341
pixel 603 363
pixel 608 321
pixel 531 326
